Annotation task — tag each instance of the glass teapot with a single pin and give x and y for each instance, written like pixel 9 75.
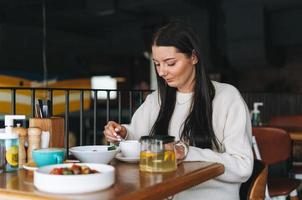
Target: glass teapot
pixel 157 153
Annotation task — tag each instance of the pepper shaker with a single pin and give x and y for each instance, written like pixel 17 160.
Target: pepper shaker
pixel 34 141
pixel 22 132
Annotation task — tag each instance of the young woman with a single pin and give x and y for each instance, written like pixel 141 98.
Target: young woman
pixel 210 118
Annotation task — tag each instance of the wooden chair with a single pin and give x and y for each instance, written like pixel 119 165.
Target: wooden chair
pixel 293 125
pixel 275 146
pixel 254 188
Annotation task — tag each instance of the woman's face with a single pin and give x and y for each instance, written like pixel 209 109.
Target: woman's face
pixel 177 69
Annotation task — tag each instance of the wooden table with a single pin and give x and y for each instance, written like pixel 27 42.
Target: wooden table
pixel 296 136
pixel 130 183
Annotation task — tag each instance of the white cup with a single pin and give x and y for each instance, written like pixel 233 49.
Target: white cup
pixel 130 148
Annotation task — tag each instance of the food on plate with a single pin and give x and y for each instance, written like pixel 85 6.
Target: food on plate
pixel 73 170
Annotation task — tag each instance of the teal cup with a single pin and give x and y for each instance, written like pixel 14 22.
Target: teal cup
pixel 49 156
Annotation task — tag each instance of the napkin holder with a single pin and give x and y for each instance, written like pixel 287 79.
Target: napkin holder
pixel 55 127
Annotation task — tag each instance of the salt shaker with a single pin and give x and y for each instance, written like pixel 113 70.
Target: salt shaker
pixel 22 132
pixel 34 141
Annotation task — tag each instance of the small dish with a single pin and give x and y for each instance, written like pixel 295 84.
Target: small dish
pixel 30 166
pixel 120 157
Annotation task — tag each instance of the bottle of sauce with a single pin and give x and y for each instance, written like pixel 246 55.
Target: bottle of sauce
pixel 9 147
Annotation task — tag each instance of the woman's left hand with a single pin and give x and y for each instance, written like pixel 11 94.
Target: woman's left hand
pixel 180 152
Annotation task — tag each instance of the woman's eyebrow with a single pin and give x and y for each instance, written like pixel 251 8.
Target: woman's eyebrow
pixel 169 59
pixel 164 59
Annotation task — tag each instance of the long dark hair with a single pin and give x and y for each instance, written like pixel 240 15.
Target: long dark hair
pixel 198 129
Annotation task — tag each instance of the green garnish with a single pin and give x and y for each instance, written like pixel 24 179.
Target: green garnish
pixel 111 148
pixel 67 172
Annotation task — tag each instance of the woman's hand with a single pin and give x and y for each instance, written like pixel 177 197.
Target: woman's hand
pixel 181 150
pixel 114 132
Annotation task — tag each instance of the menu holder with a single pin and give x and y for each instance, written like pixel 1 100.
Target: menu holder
pixel 55 126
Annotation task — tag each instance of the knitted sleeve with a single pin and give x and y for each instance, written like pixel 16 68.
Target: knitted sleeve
pixel 143 118
pixel 237 156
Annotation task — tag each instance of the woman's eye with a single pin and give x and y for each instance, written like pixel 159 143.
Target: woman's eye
pixel 171 64
pixel 156 64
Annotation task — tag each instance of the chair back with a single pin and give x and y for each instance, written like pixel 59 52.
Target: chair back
pixel 287 122
pixel 255 187
pixel 274 144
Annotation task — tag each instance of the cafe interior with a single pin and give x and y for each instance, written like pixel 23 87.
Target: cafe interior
pixel 67 67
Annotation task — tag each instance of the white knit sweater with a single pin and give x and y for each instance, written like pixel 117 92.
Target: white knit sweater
pixel 232 127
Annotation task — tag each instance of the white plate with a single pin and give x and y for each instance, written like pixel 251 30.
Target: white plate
pixel 120 157
pixel 30 166
pixel 74 183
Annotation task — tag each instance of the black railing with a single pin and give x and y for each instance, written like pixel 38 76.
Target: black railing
pixel 88 109
pixel 97 111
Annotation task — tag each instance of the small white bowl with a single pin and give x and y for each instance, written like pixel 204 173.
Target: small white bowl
pixel 94 154
pixel 66 184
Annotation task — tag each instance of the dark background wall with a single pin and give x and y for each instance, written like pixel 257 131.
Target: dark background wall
pixel 255 45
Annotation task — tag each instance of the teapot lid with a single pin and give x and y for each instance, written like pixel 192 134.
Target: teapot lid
pixel 164 138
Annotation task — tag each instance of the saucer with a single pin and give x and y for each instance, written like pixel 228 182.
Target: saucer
pixel 120 157
pixel 30 166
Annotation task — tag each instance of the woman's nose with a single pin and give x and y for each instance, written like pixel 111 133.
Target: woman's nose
pixel 162 71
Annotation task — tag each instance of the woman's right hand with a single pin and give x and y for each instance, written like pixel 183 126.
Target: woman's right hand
pixel 114 132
